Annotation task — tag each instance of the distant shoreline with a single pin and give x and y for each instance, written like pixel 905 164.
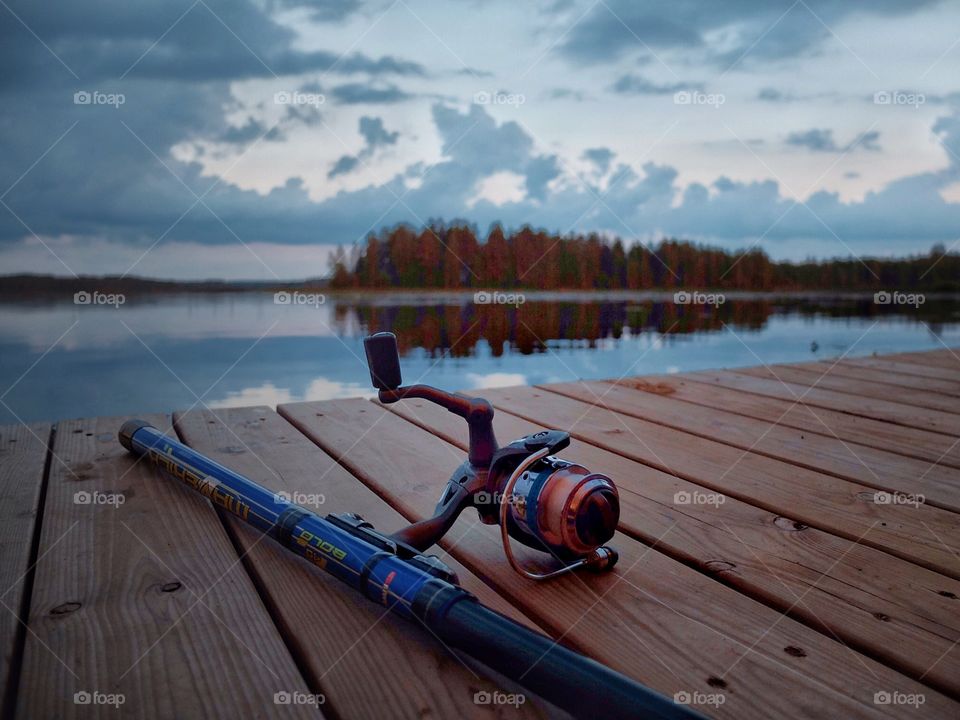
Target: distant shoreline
pixel 19 288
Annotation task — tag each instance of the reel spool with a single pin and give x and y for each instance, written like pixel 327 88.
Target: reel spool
pixel 544 502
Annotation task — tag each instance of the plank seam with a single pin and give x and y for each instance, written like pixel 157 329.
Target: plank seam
pixel 12 687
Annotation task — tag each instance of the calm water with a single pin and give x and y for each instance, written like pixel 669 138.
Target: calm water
pixel 60 360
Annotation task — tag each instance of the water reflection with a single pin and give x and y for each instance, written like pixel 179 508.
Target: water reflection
pixel 59 360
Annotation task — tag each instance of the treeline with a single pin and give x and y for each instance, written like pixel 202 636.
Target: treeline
pixel 454 257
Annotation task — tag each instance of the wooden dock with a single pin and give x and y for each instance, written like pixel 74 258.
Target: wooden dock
pixel 789 547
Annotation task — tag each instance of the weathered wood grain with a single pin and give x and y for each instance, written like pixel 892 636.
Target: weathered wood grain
pixel 921 534
pixel 934 448
pixel 888 411
pixel 891 472
pixel 652 618
pixel 23 455
pixel 882 376
pixel 885 364
pixel 823 378
pixel 891 609
pixel 364 660
pixel 945 358
pixel 145 598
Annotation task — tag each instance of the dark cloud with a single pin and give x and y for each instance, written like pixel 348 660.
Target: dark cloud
pixel 112 174
pixel 821 140
pixel 816 140
pixel 621 27
pixel 539 172
pixel 344 165
pixel 164 39
pixel 637 85
pixel 360 94
pixel 472 72
pixel 375 133
pixel 600 157
pixel 769 94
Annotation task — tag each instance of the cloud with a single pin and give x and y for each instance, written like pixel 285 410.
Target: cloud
pixel 359 94
pixel 346 164
pixel 637 85
pixel 101 42
pixel 821 140
pixel 375 135
pixel 323 10
pixel 752 32
pixel 600 157
pixel 769 94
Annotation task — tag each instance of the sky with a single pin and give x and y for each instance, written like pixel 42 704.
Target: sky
pixel 245 139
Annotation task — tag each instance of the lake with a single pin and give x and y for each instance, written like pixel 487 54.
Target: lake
pixel 162 353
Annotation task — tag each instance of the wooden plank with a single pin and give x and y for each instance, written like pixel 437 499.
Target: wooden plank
pixel 885 364
pixel 23 457
pixel 939 485
pixel 145 598
pixel 824 379
pixel 920 534
pixel 909 442
pixel 829 583
pixel 885 410
pixel 652 618
pixel 887 377
pixel 946 358
pixel 363 659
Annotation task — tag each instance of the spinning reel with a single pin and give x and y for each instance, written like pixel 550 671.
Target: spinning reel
pixel 546 503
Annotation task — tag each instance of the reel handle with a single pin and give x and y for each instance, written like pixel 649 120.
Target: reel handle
pixel 383 359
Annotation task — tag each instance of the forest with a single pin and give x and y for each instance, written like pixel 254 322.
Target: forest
pixel 453 256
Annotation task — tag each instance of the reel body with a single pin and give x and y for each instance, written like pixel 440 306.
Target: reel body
pixel 544 502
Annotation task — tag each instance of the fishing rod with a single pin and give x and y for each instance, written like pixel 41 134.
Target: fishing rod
pixel 541 501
